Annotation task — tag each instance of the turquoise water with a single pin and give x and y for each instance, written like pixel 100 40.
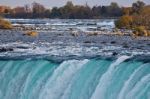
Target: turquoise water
pixel 75 79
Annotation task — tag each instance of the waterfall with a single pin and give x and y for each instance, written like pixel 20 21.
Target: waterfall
pixel 123 78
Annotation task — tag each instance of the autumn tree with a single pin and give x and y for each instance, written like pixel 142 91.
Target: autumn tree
pixel 126 10
pixel 18 12
pixel 124 22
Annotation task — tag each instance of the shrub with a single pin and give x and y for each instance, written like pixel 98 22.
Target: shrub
pixel 124 22
pixel 148 32
pixel 4 24
pixel 141 31
pixel 136 18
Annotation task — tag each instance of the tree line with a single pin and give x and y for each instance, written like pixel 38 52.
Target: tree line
pixel 68 11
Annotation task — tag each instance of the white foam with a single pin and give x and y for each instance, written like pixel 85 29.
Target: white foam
pixel 105 79
pixel 1 94
pixel 125 89
pixel 61 78
pixel 110 23
pixel 30 78
pixel 132 94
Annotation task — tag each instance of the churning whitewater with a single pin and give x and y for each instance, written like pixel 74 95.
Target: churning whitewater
pixel 123 78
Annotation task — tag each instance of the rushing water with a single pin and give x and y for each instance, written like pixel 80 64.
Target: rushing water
pixel 58 65
pixel 122 78
pixel 66 24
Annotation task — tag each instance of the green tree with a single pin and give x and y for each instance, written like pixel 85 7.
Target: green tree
pixel 114 9
pixel 137 7
pixel 55 13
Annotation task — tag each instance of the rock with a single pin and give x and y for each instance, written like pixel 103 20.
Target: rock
pixel 87 42
pixel 92 34
pixel 113 42
pixel 125 45
pixel 5 49
pixel 75 34
pixel 114 53
pixel 31 33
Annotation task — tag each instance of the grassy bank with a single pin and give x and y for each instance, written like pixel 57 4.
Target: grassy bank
pixel 4 24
